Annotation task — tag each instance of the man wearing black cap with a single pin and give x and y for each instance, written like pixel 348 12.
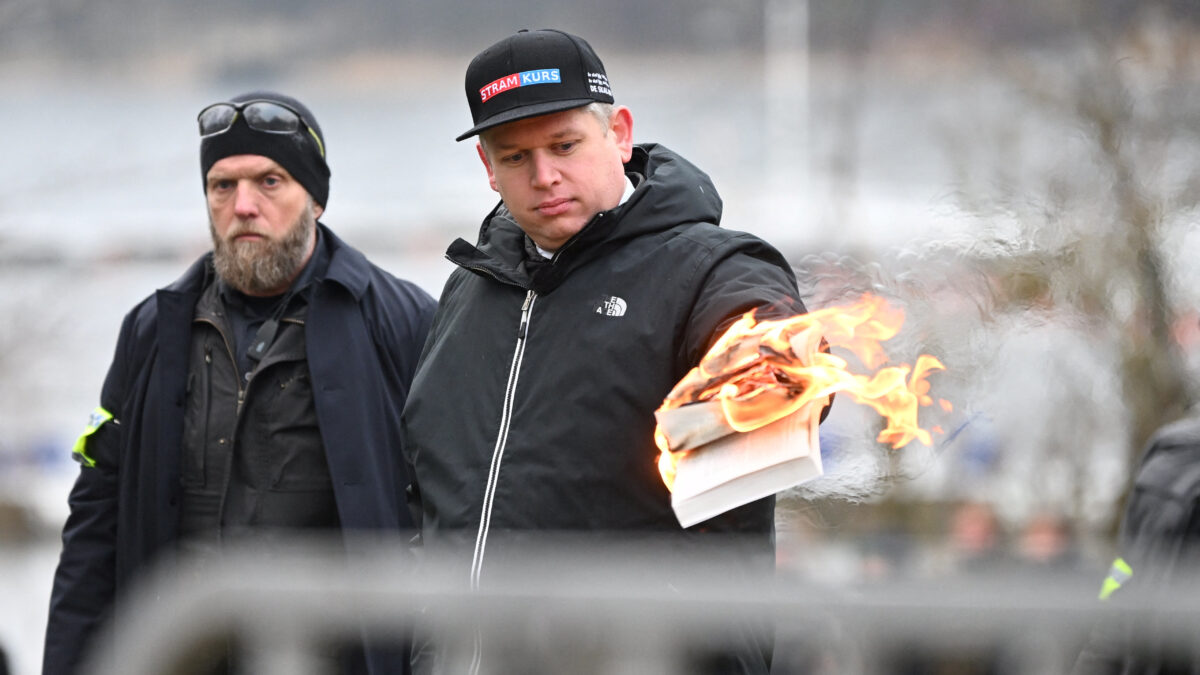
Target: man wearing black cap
pixel 597 282
pixel 255 397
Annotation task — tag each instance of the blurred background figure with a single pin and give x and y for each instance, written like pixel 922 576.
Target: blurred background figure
pixel 887 555
pixel 976 541
pixel 1047 541
pixel 1158 560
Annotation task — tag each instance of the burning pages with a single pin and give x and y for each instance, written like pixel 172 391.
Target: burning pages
pixel 738 427
pixel 743 423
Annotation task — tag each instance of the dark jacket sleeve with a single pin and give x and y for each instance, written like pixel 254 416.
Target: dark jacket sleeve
pixel 405 317
pixel 1159 533
pixel 749 275
pixel 1104 652
pixel 85 581
pixel 745 274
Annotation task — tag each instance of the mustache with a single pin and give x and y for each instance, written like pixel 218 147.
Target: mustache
pixel 240 228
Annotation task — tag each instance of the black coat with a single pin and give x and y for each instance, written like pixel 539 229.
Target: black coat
pixel 552 370
pixel 364 329
pixel 1159 554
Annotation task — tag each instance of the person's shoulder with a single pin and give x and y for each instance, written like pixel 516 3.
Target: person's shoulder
pixel 142 318
pixel 351 267
pixel 385 289
pixel 1180 435
pixel 710 236
pixel 391 287
pixel 1171 462
pixel 145 312
pixel 719 244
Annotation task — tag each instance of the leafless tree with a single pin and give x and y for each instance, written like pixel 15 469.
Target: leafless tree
pixel 1094 232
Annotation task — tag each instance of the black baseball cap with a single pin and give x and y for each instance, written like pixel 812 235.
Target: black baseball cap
pixel 533 73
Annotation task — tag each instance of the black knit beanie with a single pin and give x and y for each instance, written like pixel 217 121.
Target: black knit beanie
pixel 298 153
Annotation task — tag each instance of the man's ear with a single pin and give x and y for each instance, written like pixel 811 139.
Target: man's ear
pixel 486 165
pixel 318 210
pixel 621 126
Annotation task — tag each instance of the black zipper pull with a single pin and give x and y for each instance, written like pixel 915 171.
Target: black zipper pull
pixel 262 340
pixel 266 332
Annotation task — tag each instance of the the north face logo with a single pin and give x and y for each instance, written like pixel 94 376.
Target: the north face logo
pixel 611 306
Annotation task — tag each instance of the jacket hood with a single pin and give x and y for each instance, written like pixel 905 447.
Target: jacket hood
pixel 670 191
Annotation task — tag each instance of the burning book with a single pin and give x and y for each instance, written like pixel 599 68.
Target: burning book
pixel 737 467
pixel 743 423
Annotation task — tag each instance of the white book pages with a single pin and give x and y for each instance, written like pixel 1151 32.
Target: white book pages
pixel 742 467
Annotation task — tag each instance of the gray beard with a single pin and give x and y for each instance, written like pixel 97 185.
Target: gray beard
pixel 264 267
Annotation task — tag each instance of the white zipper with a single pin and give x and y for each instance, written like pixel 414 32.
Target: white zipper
pixel 489 494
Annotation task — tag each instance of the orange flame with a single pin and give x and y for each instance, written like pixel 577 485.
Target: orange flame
pixel 762 371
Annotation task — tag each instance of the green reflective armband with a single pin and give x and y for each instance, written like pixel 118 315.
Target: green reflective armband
pixel 1118 574
pixel 99 417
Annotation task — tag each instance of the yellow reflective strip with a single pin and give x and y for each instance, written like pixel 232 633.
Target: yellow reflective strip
pixel 97 420
pixel 1121 569
pixel 320 145
pixel 1118 574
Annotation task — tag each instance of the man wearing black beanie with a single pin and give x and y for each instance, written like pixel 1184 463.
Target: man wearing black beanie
pixel 254 398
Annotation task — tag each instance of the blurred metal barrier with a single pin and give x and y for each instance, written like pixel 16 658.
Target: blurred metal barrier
pixel 607 609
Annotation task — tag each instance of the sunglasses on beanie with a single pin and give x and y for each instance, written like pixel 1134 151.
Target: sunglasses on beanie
pixel 265 116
